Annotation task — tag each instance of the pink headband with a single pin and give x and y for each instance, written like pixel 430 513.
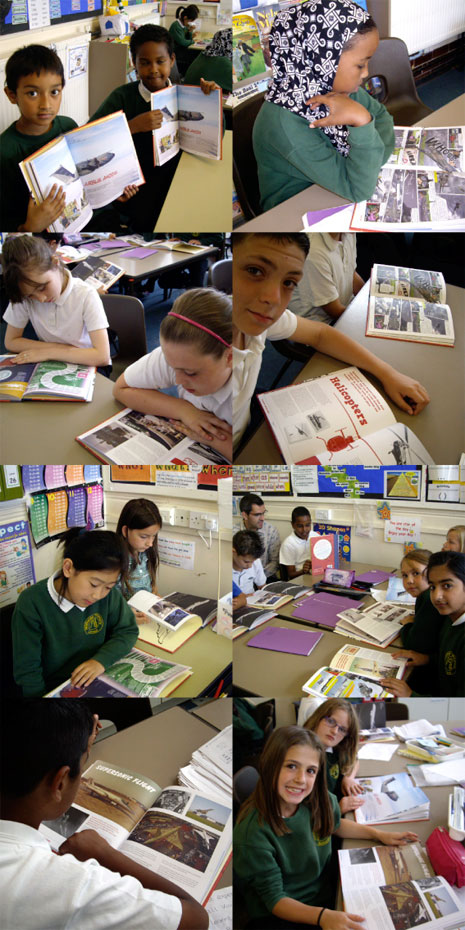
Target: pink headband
pixel 200 326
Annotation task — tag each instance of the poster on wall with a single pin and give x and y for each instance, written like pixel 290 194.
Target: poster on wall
pixel 262 479
pixel 203 478
pixel 52 513
pixel 17 571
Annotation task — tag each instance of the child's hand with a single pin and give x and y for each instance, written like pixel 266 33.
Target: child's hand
pixel 408 394
pixel 41 215
pixel 350 786
pixel 146 122
pixel 396 687
pixel 342 111
pixel 338 920
pixel 405 620
pixel 87 844
pixel 85 673
pixel 97 726
pixel 239 601
pixel 41 354
pixel 129 191
pixel 140 617
pixel 396 839
pixel 208 86
pixel 307 567
pixel 350 804
pixel 203 425
pixel 413 658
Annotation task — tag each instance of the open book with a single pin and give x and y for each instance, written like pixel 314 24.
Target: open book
pixel 98 272
pixel 339 418
pixel 247 618
pixel 378 624
pixel 391 798
pixel 355 672
pixel 45 381
pixel 408 304
pixel 182 835
pixel 171 620
pixel 192 121
pixel 372 866
pixel 135 675
pixel 93 164
pixel 276 594
pixel 132 438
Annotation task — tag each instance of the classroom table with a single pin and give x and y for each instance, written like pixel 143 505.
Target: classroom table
pixel 44 431
pixel 287 216
pixel 208 654
pixel 154 265
pixel 158 747
pixel 217 713
pixel 440 426
pixel 200 196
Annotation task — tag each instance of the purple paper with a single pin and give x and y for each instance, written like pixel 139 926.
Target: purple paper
pixel 140 253
pixel 315 216
pixel 323 608
pixel 283 639
pixel 374 577
pixel 105 244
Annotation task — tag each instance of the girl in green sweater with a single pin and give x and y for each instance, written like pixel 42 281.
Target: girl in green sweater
pixel 282 840
pixel 335 724
pixel 75 624
pixel 183 33
pixel 317 125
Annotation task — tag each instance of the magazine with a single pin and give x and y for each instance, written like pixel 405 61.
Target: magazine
pixel 438 147
pixel 408 304
pixel 395 281
pixel 355 672
pixel 98 272
pixel 391 798
pixel 192 121
pixel 182 835
pixel 132 438
pixel 382 865
pixel 339 418
pixel 169 625
pixel 45 381
pixel 135 675
pixel 247 618
pixel 276 594
pixel 431 749
pixel 210 767
pixel 93 163
pixel 427 902
pixel 379 624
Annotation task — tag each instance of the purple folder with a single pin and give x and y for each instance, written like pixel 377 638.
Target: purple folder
pixel 374 577
pixel 323 608
pixel 283 639
pixel 140 253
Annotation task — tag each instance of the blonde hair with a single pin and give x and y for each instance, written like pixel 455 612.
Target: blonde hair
pixel 460 531
pixel 422 556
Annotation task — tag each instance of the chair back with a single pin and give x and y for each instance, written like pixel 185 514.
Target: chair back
pixel 244 782
pixel 221 275
pixel 9 688
pixel 125 316
pixel 244 165
pixel 391 62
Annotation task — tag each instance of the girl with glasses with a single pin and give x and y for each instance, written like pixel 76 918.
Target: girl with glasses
pixel 335 724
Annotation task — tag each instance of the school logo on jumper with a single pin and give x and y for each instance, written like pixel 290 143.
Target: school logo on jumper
pixel 93 624
pixel 450 663
pixel 321 840
pixel 334 771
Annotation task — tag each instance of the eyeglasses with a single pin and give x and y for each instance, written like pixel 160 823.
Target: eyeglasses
pixel 334 724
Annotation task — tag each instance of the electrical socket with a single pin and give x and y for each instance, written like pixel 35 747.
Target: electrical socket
pixel 181 517
pixel 167 515
pixel 211 523
pixel 196 520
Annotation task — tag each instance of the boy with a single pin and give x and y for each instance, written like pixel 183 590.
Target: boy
pixel 152 55
pixel 88 884
pixel 253 513
pixel 267 268
pixel 330 279
pixel 248 571
pixel 34 82
pixel 295 550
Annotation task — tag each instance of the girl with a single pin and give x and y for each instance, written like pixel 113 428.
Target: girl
pixel 282 840
pixel 317 125
pixel 214 63
pixel 195 353
pixel 72 327
pixel 446 577
pixel 76 623
pixel 138 525
pixel 336 726
pixel 455 541
pixel 183 32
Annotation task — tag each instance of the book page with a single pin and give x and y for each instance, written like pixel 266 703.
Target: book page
pixel 166 138
pixel 382 865
pixel 54 164
pixel 62 379
pixel 326 415
pixel 200 121
pixel 328 683
pixel 429 902
pixel 415 320
pixel 391 797
pixel 159 609
pixel 396 281
pixel 14 378
pixel 105 158
pixel 379 621
pixel 403 199
pixel 368 662
pixel 439 147
pixel 393 445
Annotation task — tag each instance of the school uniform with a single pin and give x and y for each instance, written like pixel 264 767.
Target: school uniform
pixel 246 369
pixel 328 275
pixel 334 775
pixel 76 313
pixel 183 39
pixel 153 372
pixel 14 147
pixel 247 579
pixel 270 867
pixel 423 634
pixel 217 69
pixel 51 637
pixel 269 538
pixel 43 891
pixel 295 551
pixel 451 665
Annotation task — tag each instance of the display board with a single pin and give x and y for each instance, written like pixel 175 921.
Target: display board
pixel 62 496
pixel 359 481
pixel 171 476
pixel 18 15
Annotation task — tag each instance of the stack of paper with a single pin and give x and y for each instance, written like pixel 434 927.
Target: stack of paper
pixel 429 749
pixel 210 768
pixel 442 773
pixel 417 729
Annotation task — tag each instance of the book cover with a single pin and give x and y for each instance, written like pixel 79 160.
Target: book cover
pixel 283 639
pixel 324 552
pixel 322 608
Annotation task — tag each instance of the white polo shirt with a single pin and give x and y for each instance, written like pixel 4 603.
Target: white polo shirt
pixel 42 891
pixel 246 369
pixel 295 551
pixel 328 275
pixel 69 320
pixel 246 577
pixel 153 372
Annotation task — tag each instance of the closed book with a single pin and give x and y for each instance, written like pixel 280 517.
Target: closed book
pixel 283 639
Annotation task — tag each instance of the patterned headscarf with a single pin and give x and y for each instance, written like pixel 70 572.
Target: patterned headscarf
pixel 221 45
pixel 306 43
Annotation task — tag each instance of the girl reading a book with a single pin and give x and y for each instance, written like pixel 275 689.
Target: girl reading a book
pixel 335 724
pixel 66 313
pixel 445 657
pixel 455 541
pixel 76 623
pixel 182 31
pixel 317 124
pixel 195 354
pixel 138 526
pixel 282 839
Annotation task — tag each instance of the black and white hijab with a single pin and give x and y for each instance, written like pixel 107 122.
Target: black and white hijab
pixel 221 45
pixel 306 43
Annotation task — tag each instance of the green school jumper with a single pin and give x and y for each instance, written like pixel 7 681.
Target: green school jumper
pixel 451 677
pixel 49 642
pixel 423 634
pixel 333 774
pixel 14 147
pixel 271 867
pixel 210 68
pixel 290 156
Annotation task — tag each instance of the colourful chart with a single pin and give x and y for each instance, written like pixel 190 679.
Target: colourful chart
pixel 77 503
pixel 54 476
pixel 57 512
pixel 92 472
pixel 17 571
pixel 38 511
pixel 94 505
pixel 74 474
pixel 33 478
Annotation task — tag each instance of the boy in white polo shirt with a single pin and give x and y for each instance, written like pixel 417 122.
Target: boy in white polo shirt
pixel 295 550
pixel 88 884
pixel 330 279
pixel 248 573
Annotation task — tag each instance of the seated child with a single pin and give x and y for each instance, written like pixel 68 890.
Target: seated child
pixel 420 632
pixel 46 747
pixel 335 723
pixel 317 125
pixel 267 268
pixel 248 571
pixel 446 657
pixel 138 526
pixel 282 838
pixel 182 32
pixel 214 63
pixel 195 354
pixel 76 623
pixel 295 550
pixel 66 313
pixel 329 280
pixel 455 541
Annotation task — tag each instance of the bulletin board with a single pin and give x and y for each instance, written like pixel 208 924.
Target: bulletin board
pixel 59 497
pixel 392 482
pixel 172 477
pixel 19 15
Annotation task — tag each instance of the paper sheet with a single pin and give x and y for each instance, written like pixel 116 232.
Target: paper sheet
pixel 382 752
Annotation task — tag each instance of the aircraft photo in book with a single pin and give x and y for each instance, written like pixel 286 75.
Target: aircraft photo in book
pixel 192 121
